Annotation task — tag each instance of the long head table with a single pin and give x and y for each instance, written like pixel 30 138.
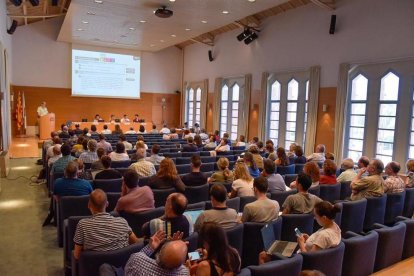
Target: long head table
pixel 99 126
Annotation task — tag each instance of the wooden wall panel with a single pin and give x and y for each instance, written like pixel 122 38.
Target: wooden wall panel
pixel 209 121
pixel 325 129
pixel 68 108
pixel 254 114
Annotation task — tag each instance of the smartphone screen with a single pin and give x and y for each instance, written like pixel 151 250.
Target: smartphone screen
pixel 298 233
pixel 194 256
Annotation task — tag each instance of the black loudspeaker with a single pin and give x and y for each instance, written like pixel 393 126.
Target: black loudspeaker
pixel 34 2
pixel 210 56
pixel 333 24
pixel 16 2
pixel 12 28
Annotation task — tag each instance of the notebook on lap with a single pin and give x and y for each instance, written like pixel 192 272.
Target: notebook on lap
pixel 276 247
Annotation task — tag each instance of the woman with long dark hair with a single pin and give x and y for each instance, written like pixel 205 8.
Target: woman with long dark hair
pixel 251 164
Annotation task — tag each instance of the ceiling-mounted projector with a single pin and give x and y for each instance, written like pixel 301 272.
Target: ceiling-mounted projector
pixel 163 12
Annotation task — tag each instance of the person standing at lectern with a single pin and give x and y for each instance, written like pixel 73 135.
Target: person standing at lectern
pixel 42 110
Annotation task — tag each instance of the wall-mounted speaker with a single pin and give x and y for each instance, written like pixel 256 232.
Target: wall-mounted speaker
pixel 332 26
pixel 12 28
pixel 210 56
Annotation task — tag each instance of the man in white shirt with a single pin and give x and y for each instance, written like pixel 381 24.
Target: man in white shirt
pixel 125 119
pixel 165 130
pixel 319 155
pixel 349 173
pixel 42 110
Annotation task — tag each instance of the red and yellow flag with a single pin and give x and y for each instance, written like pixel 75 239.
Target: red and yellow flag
pixel 19 112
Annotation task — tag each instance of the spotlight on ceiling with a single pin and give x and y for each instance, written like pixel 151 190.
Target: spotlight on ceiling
pixel 16 2
pixel 249 34
pixel 34 2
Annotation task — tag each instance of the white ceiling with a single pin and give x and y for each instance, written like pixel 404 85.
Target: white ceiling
pixel 110 26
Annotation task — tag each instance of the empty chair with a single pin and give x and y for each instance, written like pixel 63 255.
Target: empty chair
pixel 183 160
pixel 289 178
pixel 244 200
pixel 328 261
pixel 408 203
pixel 235 237
pixel 160 196
pixel 360 250
pixel 390 245
pixel 408 250
pixel 304 222
pixel 375 211
pixel 197 193
pixel 208 159
pixel 394 207
pixel 353 215
pixel 181 169
pixel 108 185
pixel 314 190
pixel 120 164
pixel 285 266
pixel 207 167
pixel 136 220
pixel 299 168
pixel 346 190
pixel 286 169
pixel 330 192
pixel 280 197
pixel 90 261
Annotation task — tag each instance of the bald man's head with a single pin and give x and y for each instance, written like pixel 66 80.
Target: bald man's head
pixel 172 255
pixel 141 152
pixel 56 150
pixel 175 205
pixel 98 201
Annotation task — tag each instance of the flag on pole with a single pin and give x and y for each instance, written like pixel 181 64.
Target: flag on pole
pixel 24 111
pixel 19 112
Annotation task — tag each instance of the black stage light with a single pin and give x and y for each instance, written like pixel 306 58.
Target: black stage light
pixel 34 2
pixel 16 2
pixel 247 32
pixel 251 38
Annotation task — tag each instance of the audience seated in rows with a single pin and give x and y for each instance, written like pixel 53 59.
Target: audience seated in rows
pixel 140 140
pixel 90 156
pixel 143 167
pixel 106 130
pixel 223 175
pixel 311 169
pixel 329 172
pixel 223 146
pixel 94 130
pixel 410 173
pixel 299 159
pixel 97 165
pixel 101 232
pixel 270 150
pixel 82 173
pixel 166 177
pixel 165 130
pixel 348 173
pixel 154 129
pixel 243 181
pixel 130 131
pixel 155 158
pixel 302 202
pixel 71 185
pixel 393 183
pixel 119 154
pixel 56 142
pixel 141 129
pixel 370 186
pixel 291 153
pixel 77 149
pixel 107 172
pixel 263 209
pixel 122 139
pixel 56 155
pixel 318 155
pixel 104 144
pixel 133 198
pixel 195 178
pixel 64 134
pixel 363 163
pixel 198 142
pixel 117 130
pixel 220 258
pixel 275 181
pixel 258 159
pixel 173 219
pixel 220 213
pixel 60 164
pixel 253 142
pixel 282 159
pixel 241 142
pixel 211 142
pixel 251 164
pixel 190 146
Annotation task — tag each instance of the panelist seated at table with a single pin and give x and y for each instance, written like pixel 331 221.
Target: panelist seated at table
pixel 125 119
pixel 98 119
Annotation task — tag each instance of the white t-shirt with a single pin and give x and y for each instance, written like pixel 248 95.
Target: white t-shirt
pixel 243 187
pixel 325 238
pixel 165 130
pixel 118 156
pixel 42 111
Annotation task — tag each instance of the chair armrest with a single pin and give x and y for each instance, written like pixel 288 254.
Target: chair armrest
pixel 401 218
pixel 350 234
pixel 378 226
pixel 340 201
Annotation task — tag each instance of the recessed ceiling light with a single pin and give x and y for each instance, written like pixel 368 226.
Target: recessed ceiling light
pixel 173 35
pixel 85 22
pixel 251 1
pixel 123 35
pixel 225 12
pixel 142 21
pixel 188 29
pixel 79 29
pixel 132 29
pixel 152 45
pixel 91 13
pixel 204 21
pixel 172 0
pixel 161 40
pixel 98 1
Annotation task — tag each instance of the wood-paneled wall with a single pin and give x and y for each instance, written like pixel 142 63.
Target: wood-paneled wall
pixel 68 108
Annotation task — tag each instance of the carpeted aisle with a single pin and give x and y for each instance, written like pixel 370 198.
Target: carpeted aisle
pixel 26 248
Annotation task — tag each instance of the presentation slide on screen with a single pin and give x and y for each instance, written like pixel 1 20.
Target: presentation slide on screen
pixel 98 74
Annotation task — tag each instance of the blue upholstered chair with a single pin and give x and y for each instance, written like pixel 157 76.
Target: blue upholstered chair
pixel 304 222
pixel 244 200
pixel 69 228
pixel 315 190
pixel 346 190
pixel 394 207
pixel 233 203
pixel 375 211
pixel 289 178
pixel 408 250
pixel 360 251
pixel 299 168
pixel 208 159
pixel 112 201
pixel 143 181
pixel 353 215
pixel 137 220
pixel 108 185
pixel 181 169
pixel 120 164
pixel 207 167
pixel 285 266
pixel 409 203
pixel 328 261
pixel 160 196
pixel 235 237
pixel 196 206
pixel 197 193
pixel 286 169
pixel 280 197
pixel 330 192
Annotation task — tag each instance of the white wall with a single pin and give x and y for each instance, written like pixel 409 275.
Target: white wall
pixel 367 31
pixel 40 60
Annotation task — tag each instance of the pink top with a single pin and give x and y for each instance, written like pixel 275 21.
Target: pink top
pixel 137 200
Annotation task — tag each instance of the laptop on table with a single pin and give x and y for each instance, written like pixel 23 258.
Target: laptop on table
pixel 276 247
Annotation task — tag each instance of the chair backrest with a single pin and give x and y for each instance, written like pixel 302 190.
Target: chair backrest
pixel 90 261
pixel 136 220
pixel 208 159
pixel 304 222
pixel 112 201
pixel 120 164
pixel 409 203
pixel 244 200
pixel 280 197
pixel 328 261
pixel 288 266
pixel 289 178
pixel 160 196
pixel 183 160
pixel 235 237
pixel 394 207
pixel 330 192
pixel 299 168
pixel 189 154
pixel 408 250
pixel 375 211
pixel 353 215
pixel 346 190
pixel 286 169
pixel 181 169
pixel 196 206
pixel 143 181
pixel 192 242
pixel 68 234
pixel 359 257
pixel 197 193
pixel 390 245
pixel 122 170
pixel 207 167
pixel 108 185
pixel 315 190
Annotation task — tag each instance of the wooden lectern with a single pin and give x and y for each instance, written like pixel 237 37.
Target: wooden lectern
pixel 46 125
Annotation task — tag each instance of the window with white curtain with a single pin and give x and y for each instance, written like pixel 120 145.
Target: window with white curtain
pixel 286 110
pixel 229 111
pixel 193 106
pixel 380 116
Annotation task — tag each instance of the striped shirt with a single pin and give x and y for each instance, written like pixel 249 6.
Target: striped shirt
pixel 88 157
pixel 142 264
pixel 102 232
pixel 143 168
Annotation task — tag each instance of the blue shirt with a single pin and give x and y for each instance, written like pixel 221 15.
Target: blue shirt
pixel 254 173
pixel 61 163
pixel 72 187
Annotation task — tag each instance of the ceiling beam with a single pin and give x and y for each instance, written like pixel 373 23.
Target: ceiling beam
pixel 24 7
pixel 202 42
pixel 329 4
pixel 45 8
